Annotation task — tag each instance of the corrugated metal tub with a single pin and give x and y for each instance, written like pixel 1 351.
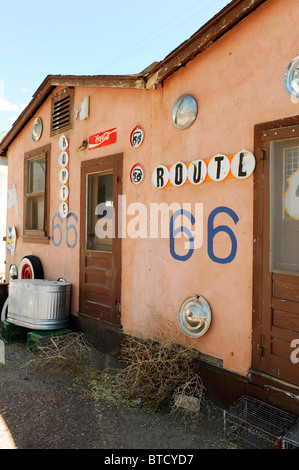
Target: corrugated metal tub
pixel 39 304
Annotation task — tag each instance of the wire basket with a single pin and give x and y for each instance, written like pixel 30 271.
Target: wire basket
pixel 257 424
pixel 291 439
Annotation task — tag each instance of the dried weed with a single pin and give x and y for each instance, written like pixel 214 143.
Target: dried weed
pixel 155 372
pixel 154 375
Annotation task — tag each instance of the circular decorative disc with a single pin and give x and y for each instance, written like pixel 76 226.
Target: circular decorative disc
pixel 37 129
pixel 291 78
pixel 137 174
pixel 184 112
pixel 137 137
pixel 195 316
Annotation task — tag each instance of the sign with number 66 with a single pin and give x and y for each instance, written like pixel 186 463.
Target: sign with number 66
pixel 71 230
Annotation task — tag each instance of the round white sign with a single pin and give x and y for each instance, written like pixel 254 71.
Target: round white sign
pixel 178 174
pixel 63 210
pixel 63 176
pixel 219 167
pixel 63 159
pixel 137 174
pixel 137 137
pixel 243 164
pixel 63 193
pixel 63 143
pixel 160 176
pixel 197 172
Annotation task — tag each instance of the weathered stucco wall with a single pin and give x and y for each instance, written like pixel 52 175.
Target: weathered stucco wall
pixel 237 82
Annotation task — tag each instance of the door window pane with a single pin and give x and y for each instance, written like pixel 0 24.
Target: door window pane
pixel 284 180
pixel 100 215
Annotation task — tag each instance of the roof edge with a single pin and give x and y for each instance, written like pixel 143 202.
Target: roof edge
pixel 53 81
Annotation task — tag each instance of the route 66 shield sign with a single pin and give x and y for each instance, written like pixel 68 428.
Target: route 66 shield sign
pixel 137 174
pixel 137 136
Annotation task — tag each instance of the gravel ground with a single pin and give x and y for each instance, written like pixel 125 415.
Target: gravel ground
pixel 56 409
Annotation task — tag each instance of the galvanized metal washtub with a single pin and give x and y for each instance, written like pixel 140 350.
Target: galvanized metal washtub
pixel 39 304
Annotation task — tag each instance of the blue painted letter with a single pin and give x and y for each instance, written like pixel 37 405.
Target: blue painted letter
pixel 58 227
pixel 212 232
pixel 71 227
pixel 173 234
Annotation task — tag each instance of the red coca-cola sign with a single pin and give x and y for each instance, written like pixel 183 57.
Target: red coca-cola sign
pixel 102 139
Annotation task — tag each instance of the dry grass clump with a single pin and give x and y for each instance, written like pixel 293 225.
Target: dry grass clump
pixel 154 373
pixel 66 351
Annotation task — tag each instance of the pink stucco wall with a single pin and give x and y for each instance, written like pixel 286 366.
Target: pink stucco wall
pixel 237 82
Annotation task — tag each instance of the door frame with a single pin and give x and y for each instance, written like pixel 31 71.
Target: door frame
pixel 115 162
pixel 278 129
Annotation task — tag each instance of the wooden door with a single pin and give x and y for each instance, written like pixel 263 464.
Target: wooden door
pixel 276 253
pixel 100 249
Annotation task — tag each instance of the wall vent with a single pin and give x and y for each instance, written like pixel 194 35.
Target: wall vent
pixel 62 111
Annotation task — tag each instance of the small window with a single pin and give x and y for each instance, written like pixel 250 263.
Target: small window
pixel 36 197
pixel 62 111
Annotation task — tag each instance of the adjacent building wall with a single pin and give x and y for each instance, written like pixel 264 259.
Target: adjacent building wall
pixel 3 211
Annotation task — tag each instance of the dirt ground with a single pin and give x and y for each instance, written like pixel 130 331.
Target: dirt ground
pixel 52 409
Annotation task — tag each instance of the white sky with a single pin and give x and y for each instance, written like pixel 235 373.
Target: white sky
pixel 87 37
